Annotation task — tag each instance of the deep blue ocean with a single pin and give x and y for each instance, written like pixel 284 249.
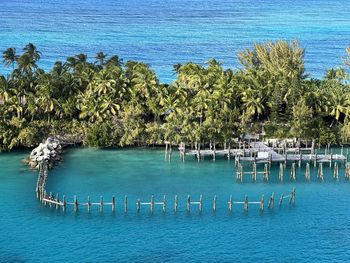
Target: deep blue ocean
pixel 316 229
pixel 163 33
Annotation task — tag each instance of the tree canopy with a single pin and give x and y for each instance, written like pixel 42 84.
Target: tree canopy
pixel 106 102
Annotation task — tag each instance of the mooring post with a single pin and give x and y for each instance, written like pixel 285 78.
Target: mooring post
pixel 254 171
pixel 266 172
pixel 320 171
pixel 57 200
pixel 307 172
pixel 245 203
pixel 89 204
pixel 76 205
pixel 292 172
pixel 101 204
pixel 125 204
pixel 138 205
pixel 281 200
pixel 271 203
pixel 50 198
pixel 188 203
pixel 164 203
pixel 262 201
pixel 44 198
pixel 113 203
pixel 64 204
pixel 200 203
pixel 285 158
pixel 214 204
pixel 292 197
pixel 315 161
pixel 152 204
pixel 176 203
pixel 230 204
pixel 281 172
pixel 335 172
pixel 347 172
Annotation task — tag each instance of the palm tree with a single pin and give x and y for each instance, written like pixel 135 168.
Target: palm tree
pixel 100 57
pixel 26 64
pixel 33 53
pixel 10 57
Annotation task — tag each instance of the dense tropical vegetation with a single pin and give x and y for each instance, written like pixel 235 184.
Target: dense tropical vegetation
pixel 107 102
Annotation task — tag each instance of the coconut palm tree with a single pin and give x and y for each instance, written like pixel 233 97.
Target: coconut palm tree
pixel 100 58
pixel 10 57
pixel 32 52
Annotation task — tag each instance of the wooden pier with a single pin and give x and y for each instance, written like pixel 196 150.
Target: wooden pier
pixel 54 200
pixel 259 152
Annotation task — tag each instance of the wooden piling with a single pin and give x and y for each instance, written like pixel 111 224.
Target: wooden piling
pixel 230 204
pixel 271 203
pixel 281 200
pixel 188 203
pixel 101 204
pixel 331 159
pixel 113 204
pixel 315 160
pixel 320 171
pixel 262 201
pixel 292 197
pixel 200 203
pixel 76 204
pixel 307 172
pixel 214 204
pixel 266 172
pixel 292 172
pixel 50 197
pixel 281 172
pixel 164 203
pixel 246 203
pixel 89 204
pixel 285 158
pixel 64 203
pixel 138 205
pixel 44 202
pixel 336 172
pixel 176 203
pixel 254 172
pixel 57 200
pixel 125 204
pixel 152 204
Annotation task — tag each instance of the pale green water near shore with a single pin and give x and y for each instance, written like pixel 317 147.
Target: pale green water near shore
pixel 316 229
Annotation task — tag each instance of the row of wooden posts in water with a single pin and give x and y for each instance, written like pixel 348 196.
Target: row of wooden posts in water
pixel 245 149
pixel 266 172
pixel 54 201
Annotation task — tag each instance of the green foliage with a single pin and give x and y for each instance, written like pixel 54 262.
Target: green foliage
pixel 107 102
pixel 99 135
pixel 302 121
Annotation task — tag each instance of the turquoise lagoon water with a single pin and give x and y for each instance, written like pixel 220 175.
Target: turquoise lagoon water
pixel 164 33
pixel 316 229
